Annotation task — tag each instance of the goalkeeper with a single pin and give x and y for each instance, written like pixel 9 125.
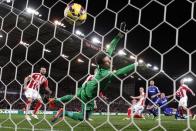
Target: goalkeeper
pixel 102 79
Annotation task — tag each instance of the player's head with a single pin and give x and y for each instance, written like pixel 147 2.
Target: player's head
pixel 182 81
pixel 162 95
pixel 152 82
pixel 43 70
pixel 141 89
pixel 134 101
pixel 103 60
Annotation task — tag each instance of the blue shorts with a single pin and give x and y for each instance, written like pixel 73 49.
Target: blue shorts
pixel 168 111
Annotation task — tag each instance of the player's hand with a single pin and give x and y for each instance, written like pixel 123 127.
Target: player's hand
pixel 131 97
pixel 50 92
pixel 25 88
pixel 152 96
pixel 193 94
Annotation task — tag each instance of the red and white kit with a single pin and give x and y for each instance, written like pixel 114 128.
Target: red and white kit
pixel 37 79
pixel 139 106
pixel 182 93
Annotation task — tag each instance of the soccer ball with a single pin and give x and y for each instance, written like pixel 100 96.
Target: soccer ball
pixel 75 13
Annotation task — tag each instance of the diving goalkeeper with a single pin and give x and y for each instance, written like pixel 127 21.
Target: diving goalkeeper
pixel 102 79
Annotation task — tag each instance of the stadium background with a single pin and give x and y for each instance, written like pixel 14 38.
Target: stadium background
pixel 163 37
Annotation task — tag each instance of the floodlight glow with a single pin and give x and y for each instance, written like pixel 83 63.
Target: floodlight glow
pixel 65 56
pixel 121 52
pixel 132 76
pixel 132 57
pixel 140 61
pixel 107 46
pixel 23 43
pixel 148 65
pixel 56 22
pixel 95 40
pixel 46 50
pixel 80 60
pixel 187 79
pixel 32 11
pixel 92 64
pixel 78 32
pixel 1 36
pixel 155 68
pixel 8 1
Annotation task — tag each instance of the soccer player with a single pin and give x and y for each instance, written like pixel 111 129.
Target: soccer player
pixel 101 79
pixel 182 93
pixel 162 102
pixel 153 94
pixel 137 106
pixel 32 83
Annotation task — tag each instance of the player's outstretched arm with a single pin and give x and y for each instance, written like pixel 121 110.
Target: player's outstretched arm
pixel 26 80
pixel 113 43
pixel 169 96
pixel 126 69
pixel 48 90
pixel 136 97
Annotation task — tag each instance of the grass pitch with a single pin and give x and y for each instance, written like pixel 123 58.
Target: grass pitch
pixel 100 123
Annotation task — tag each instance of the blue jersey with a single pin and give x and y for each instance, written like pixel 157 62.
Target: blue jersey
pixel 153 90
pixel 162 102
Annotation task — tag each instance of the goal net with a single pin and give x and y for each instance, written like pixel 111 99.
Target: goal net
pixel 158 35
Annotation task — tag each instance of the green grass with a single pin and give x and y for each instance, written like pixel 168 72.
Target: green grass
pixel 8 123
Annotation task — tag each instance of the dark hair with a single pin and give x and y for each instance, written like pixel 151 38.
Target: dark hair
pixel 99 58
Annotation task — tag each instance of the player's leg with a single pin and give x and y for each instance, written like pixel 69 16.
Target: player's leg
pixel 36 96
pixel 37 107
pixel 152 110
pixel 57 115
pixel 85 111
pixel 28 93
pixel 54 101
pixel 182 107
pixel 128 114
pixel 28 105
pixel 168 111
pixel 138 111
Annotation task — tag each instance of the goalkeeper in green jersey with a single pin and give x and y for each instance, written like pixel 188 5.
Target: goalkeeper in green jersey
pixel 102 79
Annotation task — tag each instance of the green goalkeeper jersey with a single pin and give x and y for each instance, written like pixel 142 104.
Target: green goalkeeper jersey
pixel 103 77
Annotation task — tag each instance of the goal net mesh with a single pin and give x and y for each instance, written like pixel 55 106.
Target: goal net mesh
pixel 160 35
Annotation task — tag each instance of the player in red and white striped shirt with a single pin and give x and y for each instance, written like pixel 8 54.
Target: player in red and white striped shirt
pixel 32 84
pixel 138 104
pixel 182 93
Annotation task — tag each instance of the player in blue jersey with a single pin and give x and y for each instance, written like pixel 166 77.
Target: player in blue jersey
pixel 153 92
pixel 153 95
pixel 162 103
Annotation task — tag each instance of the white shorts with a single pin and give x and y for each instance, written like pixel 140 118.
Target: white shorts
pixel 31 93
pixel 183 101
pixel 138 109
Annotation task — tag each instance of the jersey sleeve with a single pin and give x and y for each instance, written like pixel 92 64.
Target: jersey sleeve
pixel 157 90
pixel 125 70
pixel 157 101
pixel 45 84
pixel 113 44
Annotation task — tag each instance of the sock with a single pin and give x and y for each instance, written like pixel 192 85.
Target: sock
pixel 129 112
pixel 65 98
pixel 59 112
pixel 37 107
pixel 28 104
pixel 74 115
pixel 181 112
